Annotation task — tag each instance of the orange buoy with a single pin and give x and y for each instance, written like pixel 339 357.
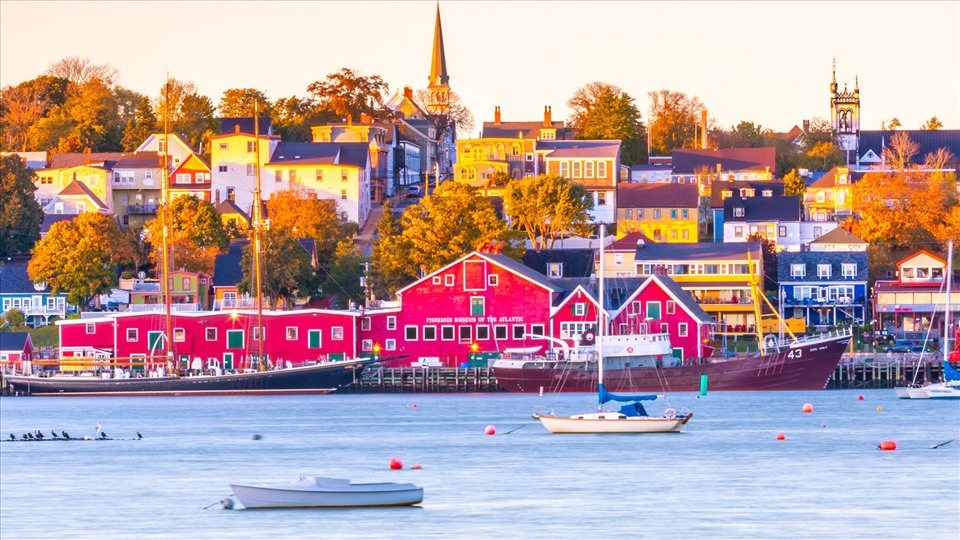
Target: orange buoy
pixel 807 407
pixel 396 464
pixel 490 430
pixel 417 467
pixel 888 445
pixel 781 437
pixel 879 409
pixel 859 398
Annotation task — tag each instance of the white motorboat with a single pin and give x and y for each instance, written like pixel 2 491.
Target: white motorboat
pixel 320 492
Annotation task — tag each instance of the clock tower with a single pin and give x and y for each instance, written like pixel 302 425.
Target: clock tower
pixel 845 115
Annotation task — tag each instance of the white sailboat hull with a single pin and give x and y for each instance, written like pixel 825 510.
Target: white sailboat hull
pixel 612 422
pixel 318 492
pixel 944 390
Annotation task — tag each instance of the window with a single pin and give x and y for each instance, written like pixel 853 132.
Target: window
pixel 664 328
pixel 91 328
pixel 235 339
pixel 601 169
pixel 224 146
pixel 410 333
pixel 429 333
pixel 343 175
pixel 601 198
pixel 564 169
pixel 278 176
pixel 493 280
pixel 588 169
pixel 313 339
pixel 817 232
pixel 221 168
pixel 343 194
pixel 849 269
pixel 365 323
pixel 336 333
pixel 673 234
pixel 579 309
pixel 256 333
pixel 823 270
pixel 673 213
pixel 446 332
pixel 671 307
pixel 466 334
pixel 436 280
pixel 182 178
pixel 821 196
pixel 390 344
pixel 251 169
pixel 519 330
pixel 448 280
pixel 555 270
pixel 782 231
pixel 477 306
pixel 251 147
pixel 653 310
pixel 179 335
pixel 682 329
pixel 211 334
pixel 656 214
pixel 686 235
pixel 739 211
pixel 162 146
pixel 536 329
pixel 132 334
pixel 639 213
pixel 618 258
pixel 628 213
pixel 292 333
pixel 798 270
pixel 366 345
pixel 577 166
pixel 529 157
pixel 500 331
pixel 483 332
pixel 392 322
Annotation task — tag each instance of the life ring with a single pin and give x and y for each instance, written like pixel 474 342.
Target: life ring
pixel 630 349
pixel 670 413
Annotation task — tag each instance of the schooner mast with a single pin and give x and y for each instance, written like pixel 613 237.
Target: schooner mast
pixel 165 243
pixel 257 224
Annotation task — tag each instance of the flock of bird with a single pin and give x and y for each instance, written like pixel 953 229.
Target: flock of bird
pixel 62 436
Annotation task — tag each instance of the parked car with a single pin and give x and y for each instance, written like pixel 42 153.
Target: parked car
pixel 414 191
pixel 903 347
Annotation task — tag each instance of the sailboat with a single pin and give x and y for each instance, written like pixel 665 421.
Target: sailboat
pixel 631 417
pixel 309 375
pixel 949 388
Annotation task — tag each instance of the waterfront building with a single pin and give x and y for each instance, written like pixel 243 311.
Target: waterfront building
pixel 16 351
pixel 721 190
pixel 35 300
pixel 775 218
pixel 829 198
pixel 916 298
pixel 823 288
pixel 386 156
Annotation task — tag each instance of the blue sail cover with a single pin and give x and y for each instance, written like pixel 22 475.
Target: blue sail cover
pixel 607 396
pixel 950 374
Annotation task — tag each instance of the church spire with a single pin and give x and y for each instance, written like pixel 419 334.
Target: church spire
pixel 438 63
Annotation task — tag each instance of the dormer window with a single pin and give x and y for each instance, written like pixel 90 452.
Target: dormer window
pixel 767 193
pixel 843 178
pixel 849 269
pixel 798 270
pixel 726 193
pixel 555 270
pixel 821 197
pixel 823 271
pixel 739 211
pixel 39 285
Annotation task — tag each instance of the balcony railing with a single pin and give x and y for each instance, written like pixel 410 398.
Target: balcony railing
pixel 238 303
pixel 30 310
pixel 143 308
pixel 841 301
pixel 141 209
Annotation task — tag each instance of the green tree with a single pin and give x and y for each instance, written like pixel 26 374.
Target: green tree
pixel 452 222
pixel 793 184
pixel 307 217
pixel 15 318
pixel 293 116
pixel 140 126
pixel 189 113
pixel 770 260
pixel 347 93
pixel 195 234
pixel 239 103
pixel 79 257
pixel 343 279
pixel 673 121
pixel 546 207
pixel 604 111
pixel 286 272
pixel 20 213
pixel 388 271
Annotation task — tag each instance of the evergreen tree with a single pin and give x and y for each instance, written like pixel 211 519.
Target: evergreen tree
pixel 20 213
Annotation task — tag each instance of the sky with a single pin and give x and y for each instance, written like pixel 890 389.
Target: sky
pixel 769 63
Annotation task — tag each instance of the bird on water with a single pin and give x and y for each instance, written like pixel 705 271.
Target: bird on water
pixel 139 436
pixel 13 437
pixel 103 435
pixel 39 434
pixel 65 435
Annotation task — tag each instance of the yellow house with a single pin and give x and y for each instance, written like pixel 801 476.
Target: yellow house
pixel 831 195
pixel 717 275
pixel 94 170
pixel 664 212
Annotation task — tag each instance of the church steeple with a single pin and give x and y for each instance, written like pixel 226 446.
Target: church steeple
pixel 439 87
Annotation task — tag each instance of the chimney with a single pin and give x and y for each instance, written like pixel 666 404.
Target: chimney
pixel 703 129
pixel 236 127
pixel 547 120
pixel 349 119
pixel 408 93
pixel 496 115
pixel 806 126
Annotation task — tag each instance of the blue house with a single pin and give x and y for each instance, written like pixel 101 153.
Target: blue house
pixel 35 300
pixel 825 288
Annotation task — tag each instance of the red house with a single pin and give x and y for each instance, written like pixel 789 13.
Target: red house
pixel 16 351
pixel 192 177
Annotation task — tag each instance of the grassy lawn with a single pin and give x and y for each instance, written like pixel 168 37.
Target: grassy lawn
pixel 45 336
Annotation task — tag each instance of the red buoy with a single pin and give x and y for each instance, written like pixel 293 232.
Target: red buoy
pixel 396 464
pixel 781 437
pixel 490 430
pixel 888 445
pixel 807 407
pixel 415 405
pixel 859 398
pixel 417 467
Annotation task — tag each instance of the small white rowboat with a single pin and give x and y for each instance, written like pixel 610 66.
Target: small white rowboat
pixel 320 492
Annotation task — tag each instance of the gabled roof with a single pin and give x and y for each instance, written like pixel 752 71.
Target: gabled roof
pixel 576 262
pixel 829 179
pixel 719 186
pixel 699 251
pixel 75 159
pixel 245 125
pixel 929 140
pixel 193 161
pixel 579 149
pixel 666 195
pixel 230 207
pixel 172 140
pixel 691 160
pixel 812 258
pixel 512 130
pixel 306 153
pixel 675 291
pixel 15 280
pixel 49 220
pixel 917 254
pixel 629 242
pixel 139 160
pixel 839 235
pixel 783 208
pixel 15 341
pixel 78 188
pixel 500 260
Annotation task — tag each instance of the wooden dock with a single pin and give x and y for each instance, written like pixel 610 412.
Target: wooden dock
pixel 425 379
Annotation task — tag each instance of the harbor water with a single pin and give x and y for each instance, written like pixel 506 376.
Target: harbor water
pixel 726 476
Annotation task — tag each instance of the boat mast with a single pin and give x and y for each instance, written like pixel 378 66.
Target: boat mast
pixel 600 326
pixel 257 218
pixel 946 317
pixel 164 203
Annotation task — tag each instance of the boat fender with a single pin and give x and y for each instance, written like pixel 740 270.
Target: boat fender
pixel 670 413
pixel 227 503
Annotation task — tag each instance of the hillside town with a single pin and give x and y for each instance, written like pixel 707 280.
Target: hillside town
pixel 389 228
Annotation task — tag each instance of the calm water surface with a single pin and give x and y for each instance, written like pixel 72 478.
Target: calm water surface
pixel 725 476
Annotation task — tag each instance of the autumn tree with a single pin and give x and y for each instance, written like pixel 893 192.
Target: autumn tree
pixel 307 217
pixel 342 280
pixel 546 207
pixel 240 102
pixel 81 70
pixel 449 224
pixel 286 272
pixel 293 116
pixel 821 149
pixel 604 111
pixel 793 184
pixel 892 125
pixel 79 257
pixel 899 154
pixel 195 234
pixel 932 124
pixel 347 93
pixel 673 121
pixel 24 105
pixel 388 272
pixel 20 213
